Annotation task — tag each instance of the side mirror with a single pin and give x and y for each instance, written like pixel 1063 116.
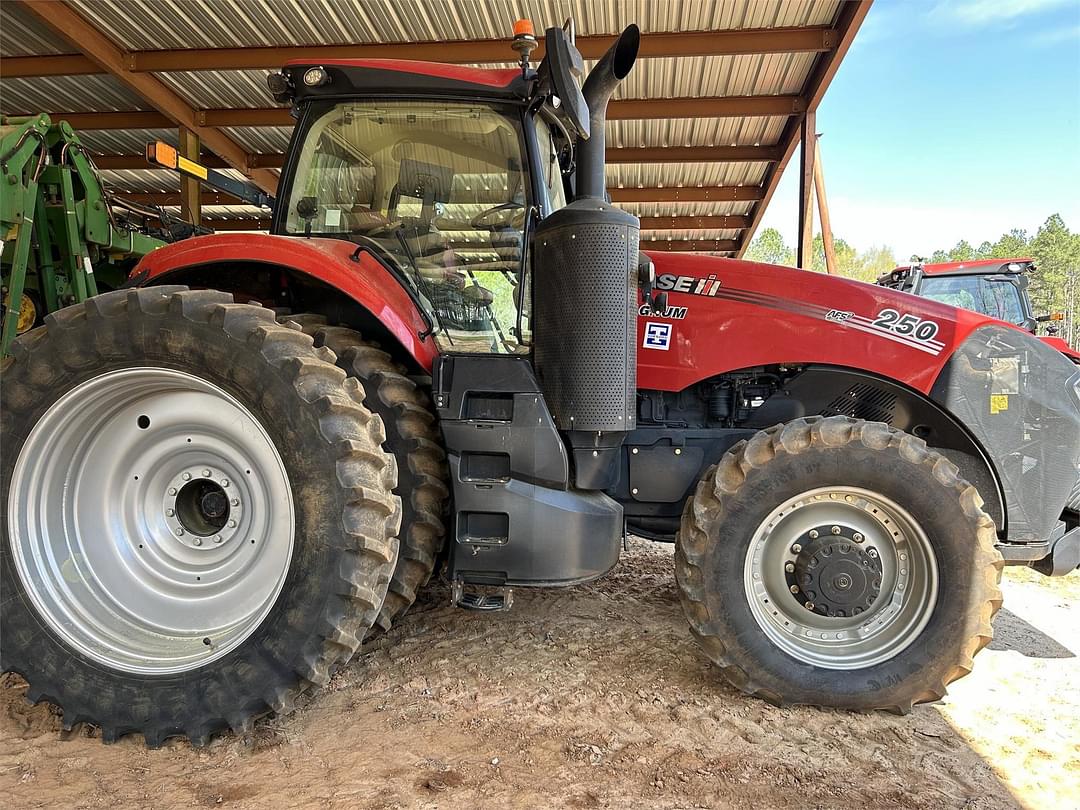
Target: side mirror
pixel 559 73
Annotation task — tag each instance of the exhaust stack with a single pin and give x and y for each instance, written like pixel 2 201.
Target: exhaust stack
pixel 613 67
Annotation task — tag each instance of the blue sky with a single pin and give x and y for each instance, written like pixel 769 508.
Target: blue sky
pixel 949 120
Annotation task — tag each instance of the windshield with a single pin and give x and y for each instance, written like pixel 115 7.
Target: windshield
pixel 438 188
pixel 998 299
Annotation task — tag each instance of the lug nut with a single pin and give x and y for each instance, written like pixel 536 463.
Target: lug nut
pixel 232 524
pixel 197 541
pixel 858 538
pixel 217 538
pixel 170 512
pixel 224 482
pixel 205 473
pixel 172 490
pixel 790 568
pixel 795 549
pixel 794 589
pixel 186 476
pixel 235 501
pixel 835 530
pixel 179 532
pixel 809 605
pixel 813 534
pixel 872 552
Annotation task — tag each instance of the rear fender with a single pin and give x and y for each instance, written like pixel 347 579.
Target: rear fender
pixel 317 275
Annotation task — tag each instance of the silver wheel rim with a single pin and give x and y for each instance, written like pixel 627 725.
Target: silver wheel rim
pixel 884 542
pixel 103 534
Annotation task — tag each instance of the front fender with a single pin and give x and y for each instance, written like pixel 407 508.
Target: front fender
pixel 365 280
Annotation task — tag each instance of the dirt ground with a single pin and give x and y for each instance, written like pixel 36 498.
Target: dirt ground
pixel 594 697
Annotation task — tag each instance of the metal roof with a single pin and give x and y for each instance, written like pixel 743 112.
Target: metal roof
pixel 179 48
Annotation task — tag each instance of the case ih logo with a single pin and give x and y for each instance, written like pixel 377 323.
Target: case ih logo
pixel 657 336
pixel 689 284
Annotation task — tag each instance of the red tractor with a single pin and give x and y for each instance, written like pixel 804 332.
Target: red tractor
pixel 994 287
pixel 450 352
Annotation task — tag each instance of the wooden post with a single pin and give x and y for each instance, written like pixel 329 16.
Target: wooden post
pixel 823 209
pixel 190 192
pixel 805 257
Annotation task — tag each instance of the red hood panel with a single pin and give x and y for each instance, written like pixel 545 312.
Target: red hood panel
pixel 725 314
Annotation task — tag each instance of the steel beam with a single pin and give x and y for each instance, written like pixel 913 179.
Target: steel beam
pixel 686 194
pixel 648 154
pixel 190 196
pixel 679 223
pixel 621 110
pixel 72 26
pixel 807 152
pixel 691 245
pixel 851 17
pixel 693 154
pixel 653 45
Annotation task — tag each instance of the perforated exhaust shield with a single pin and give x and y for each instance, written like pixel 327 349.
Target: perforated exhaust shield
pixel 585 264
pixel 1021 400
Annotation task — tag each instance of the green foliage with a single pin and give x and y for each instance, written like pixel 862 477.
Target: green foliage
pixel 769 247
pixel 1055 283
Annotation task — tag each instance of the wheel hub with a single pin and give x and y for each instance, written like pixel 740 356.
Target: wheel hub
pixel 835 574
pixel 201 507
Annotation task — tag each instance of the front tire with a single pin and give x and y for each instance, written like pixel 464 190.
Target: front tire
pixel 837 562
pixel 198 518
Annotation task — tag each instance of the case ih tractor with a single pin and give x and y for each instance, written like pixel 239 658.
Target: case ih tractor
pixel 450 352
pixel 994 287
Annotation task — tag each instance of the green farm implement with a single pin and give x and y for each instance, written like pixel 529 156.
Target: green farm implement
pixel 65 238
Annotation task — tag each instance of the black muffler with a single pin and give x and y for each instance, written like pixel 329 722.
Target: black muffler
pixel 585 260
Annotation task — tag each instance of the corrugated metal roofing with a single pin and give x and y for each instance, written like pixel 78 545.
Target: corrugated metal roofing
pixel 229 23
pixel 178 24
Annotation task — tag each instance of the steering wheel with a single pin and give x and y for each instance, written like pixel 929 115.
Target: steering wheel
pixel 479 221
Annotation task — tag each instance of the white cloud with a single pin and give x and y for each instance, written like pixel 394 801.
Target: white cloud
pixel 976 13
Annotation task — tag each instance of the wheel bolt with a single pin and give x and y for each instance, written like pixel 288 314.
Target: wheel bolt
pixel 197 541
pixel 172 490
pixel 206 473
pixel 217 538
pixel 794 589
pixel 170 512
pixel 795 549
pixel 872 552
pixel 809 605
pixel 186 476
pixel 179 532
pixel 224 482
pixel 813 534
pixel 858 538
pixel 835 530
pixel 790 568
pixel 232 524
pixel 235 501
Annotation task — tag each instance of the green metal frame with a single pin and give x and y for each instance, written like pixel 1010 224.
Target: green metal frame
pixel 55 210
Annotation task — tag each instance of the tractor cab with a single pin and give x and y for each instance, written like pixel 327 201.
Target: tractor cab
pixel 439 172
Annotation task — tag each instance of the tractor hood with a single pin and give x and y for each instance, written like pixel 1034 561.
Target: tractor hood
pixel 727 314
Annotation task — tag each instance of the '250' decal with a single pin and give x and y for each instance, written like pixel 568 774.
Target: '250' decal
pixel 906 324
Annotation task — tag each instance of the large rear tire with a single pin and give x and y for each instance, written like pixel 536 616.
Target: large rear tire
pixel 837 562
pixel 198 517
pixel 412 437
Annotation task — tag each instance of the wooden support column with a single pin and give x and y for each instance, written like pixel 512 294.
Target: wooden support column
pixel 805 255
pixel 190 190
pixel 823 209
